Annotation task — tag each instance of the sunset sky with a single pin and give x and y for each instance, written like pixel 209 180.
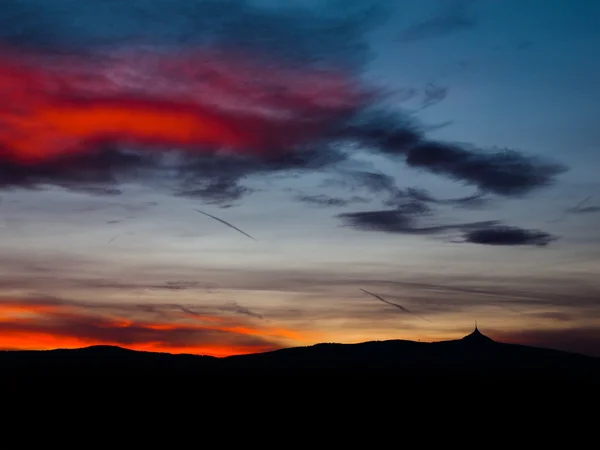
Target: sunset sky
pixel 440 154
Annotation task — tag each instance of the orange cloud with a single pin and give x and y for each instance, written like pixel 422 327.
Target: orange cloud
pixel 27 324
pixel 65 104
pixel 9 310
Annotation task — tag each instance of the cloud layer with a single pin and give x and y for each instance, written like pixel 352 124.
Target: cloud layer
pixel 200 99
pixel 39 323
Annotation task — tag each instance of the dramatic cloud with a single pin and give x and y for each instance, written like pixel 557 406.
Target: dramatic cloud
pixel 502 172
pixel 504 235
pixel 204 77
pixel 62 105
pixel 197 98
pixel 50 323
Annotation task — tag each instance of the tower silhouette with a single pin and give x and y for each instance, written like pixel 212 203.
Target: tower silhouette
pixel 477 336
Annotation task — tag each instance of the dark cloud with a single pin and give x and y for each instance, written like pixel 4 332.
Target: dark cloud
pixel 454 17
pixel 91 172
pixel 504 172
pixel 212 177
pixel 505 235
pixel 217 178
pixel 327 201
pixel 403 221
pixel 222 192
pixel 387 221
pixel 322 200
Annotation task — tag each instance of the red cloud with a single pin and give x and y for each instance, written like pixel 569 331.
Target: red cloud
pixel 27 324
pixel 52 106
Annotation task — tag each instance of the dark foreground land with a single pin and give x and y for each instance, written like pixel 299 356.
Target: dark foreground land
pixel 474 356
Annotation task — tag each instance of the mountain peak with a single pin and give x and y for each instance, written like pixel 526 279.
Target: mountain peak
pixel 477 336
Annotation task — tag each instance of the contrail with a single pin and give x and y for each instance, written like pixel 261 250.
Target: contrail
pixel 226 223
pixel 581 203
pixel 130 233
pixel 393 304
pixel 574 209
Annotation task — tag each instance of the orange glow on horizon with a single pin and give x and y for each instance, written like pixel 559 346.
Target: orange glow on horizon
pixel 43 341
pixel 39 326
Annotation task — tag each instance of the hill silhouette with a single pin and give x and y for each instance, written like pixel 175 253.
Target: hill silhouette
pixel 475 355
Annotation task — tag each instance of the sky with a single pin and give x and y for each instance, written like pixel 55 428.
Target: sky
pixel 440 155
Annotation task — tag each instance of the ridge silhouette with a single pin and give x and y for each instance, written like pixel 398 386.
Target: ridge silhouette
pixel 474 355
